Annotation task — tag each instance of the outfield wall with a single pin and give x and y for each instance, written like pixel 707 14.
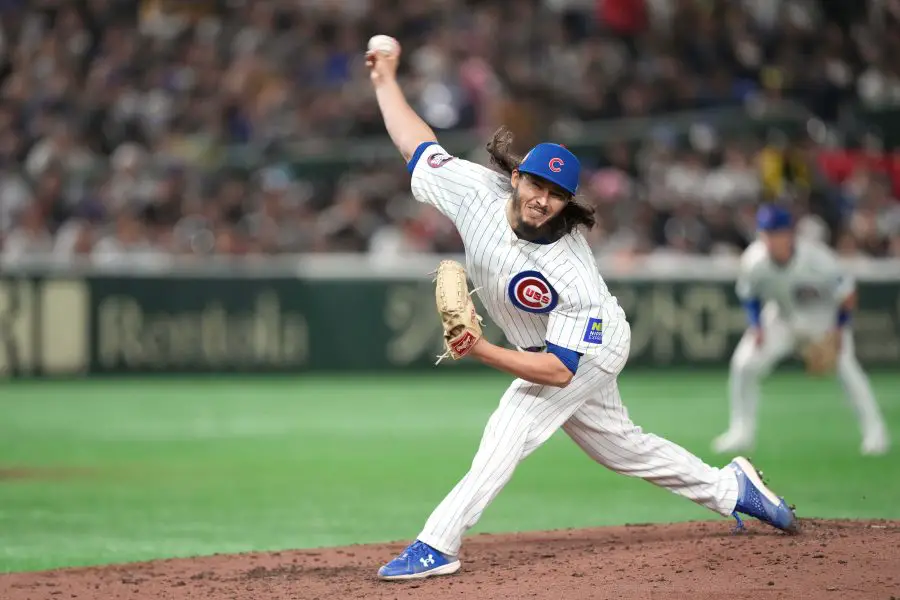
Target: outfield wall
pixel 332 313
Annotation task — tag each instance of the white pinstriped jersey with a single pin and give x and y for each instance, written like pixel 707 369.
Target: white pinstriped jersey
pixel 806 292
pixel 536 293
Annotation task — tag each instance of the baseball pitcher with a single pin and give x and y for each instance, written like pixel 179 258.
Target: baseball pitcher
pixel 798 298
pixel 537 278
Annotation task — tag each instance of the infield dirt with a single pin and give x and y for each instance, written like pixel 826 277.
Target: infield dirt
pixel 698 561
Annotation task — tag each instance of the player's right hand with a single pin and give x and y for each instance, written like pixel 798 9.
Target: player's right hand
pixel 382 67
pixel 758 336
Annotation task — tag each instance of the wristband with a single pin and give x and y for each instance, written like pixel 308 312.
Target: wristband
pixel 753 308
pixel 843 317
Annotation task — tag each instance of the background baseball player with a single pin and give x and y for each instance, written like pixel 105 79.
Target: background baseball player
pixel 798 298
pixel 538 280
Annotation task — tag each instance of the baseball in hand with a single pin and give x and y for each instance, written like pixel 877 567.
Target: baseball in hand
pixel 384 44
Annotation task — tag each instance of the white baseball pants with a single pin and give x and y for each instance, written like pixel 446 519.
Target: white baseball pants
pixel 751 363
pixel 590 411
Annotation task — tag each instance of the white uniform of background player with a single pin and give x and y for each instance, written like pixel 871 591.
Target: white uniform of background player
pixel 795 291
pixel 545 294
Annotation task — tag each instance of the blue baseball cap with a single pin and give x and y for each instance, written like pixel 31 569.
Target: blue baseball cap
pixel 773 218
pixel 554 163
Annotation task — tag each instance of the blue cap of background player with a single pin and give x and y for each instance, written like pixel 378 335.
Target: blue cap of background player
pixel 555 164
pixel 773 218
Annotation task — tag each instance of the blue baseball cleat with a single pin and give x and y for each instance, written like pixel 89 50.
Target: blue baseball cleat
pixel 419 561
pixel 757 500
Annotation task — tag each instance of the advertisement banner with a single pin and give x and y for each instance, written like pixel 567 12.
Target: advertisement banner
pixel 119 325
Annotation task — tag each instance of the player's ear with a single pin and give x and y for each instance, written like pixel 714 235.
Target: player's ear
pixel 514 178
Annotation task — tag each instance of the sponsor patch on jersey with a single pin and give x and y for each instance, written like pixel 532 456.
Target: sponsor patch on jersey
pixel 530 291
pixel 438 160
pixel 593 334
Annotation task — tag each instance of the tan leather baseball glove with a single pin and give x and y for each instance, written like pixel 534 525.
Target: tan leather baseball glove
pixel 461 322
pixel 820 356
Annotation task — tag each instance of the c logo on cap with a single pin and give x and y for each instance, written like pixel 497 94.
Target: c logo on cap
pixel 556 164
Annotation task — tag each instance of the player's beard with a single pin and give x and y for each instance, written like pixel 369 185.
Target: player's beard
pixel 525 230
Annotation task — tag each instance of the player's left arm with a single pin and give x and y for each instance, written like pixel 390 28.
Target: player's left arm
pixel 542 368
pixel 575 328
pixel 844 291
pixel 846 309
pixel 748 288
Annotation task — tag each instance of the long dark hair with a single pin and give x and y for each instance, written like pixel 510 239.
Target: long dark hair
pixel 574 213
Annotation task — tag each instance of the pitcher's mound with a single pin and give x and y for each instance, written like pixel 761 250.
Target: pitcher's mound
pixel 696 561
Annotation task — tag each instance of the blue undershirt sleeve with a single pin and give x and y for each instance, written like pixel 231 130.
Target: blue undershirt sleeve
pixel 411 165
pixel 754 309
pixel 568 357
pixel 843 317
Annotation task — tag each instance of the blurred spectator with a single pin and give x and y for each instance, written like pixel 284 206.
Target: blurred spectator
pixel 121 122
pixel 29 236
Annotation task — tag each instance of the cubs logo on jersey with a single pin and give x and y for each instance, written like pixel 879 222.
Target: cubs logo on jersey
pixel 530 291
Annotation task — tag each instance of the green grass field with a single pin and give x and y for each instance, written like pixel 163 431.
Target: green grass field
pixel 127 470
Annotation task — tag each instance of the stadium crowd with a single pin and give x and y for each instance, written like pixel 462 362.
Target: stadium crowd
pixel 115 119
